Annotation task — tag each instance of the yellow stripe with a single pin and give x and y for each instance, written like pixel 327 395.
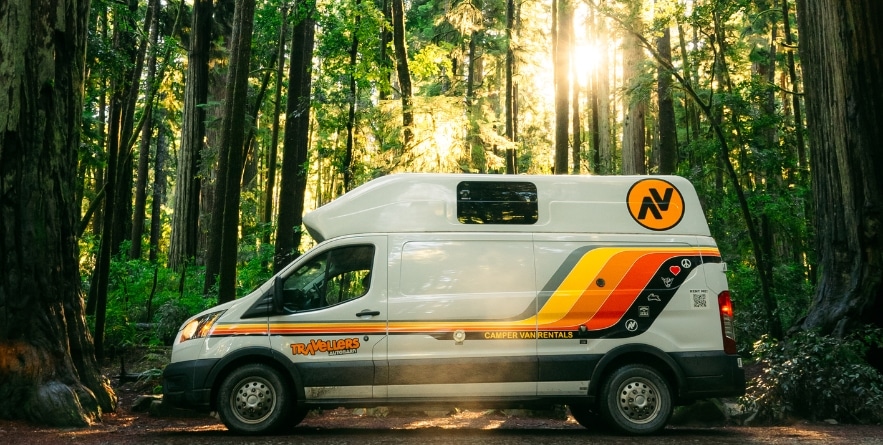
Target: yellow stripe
pixel 586 271
pixel 568 292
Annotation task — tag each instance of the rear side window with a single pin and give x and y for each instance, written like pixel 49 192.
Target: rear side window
pixel 497 202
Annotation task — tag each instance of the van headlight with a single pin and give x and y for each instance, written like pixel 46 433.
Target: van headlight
pixel 199 327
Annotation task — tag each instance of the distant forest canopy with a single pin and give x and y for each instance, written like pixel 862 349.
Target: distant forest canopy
pixel 274 107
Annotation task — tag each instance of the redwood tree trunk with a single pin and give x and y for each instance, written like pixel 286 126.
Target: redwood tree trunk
pixel 841 44
pixel 510 87
pixel 223 248
pixel 562 86
pixel 668 150
pixel 185 224
pixel 48 371
pixel 404 73
pixel 293 183
pixel 633 129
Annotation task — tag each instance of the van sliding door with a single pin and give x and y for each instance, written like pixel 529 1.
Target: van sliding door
pixel 462 316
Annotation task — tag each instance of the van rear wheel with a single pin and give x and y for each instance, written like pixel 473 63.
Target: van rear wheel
pixel 253 399
pixel 636 400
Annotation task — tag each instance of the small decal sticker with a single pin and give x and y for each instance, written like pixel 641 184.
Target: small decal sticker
pixel 653 297
pixel 686 263
pixel 700 298
pixel 675 270
pixel 631 325
pixel 655 204
pixel 643 311
pixel 667 281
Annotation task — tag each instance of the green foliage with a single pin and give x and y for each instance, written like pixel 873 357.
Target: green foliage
pixel 817 377
pixel 145 305
pixel 147 302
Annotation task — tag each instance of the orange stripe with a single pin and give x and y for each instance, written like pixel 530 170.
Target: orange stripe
pixel 591 299
pixel 621 299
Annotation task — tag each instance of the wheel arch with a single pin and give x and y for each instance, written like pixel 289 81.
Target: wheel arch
pixel 253 355
pixel 637 354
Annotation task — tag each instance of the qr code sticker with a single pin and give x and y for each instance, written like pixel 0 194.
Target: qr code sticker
pixel 699 301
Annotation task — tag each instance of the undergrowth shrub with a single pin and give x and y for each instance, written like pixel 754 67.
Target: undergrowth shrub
pixel 817 377
pixel 147 302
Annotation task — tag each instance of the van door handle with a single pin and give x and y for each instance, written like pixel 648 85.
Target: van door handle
pixel 367 312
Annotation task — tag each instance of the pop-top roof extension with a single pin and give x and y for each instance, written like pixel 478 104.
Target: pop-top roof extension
pixel 438 202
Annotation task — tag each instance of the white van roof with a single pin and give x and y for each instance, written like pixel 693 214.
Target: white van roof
pixel 437 202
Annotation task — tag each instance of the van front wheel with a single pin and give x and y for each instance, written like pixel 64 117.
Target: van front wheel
pixel 637 400
pixel 253 400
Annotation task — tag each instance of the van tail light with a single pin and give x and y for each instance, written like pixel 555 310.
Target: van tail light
pixel 728 330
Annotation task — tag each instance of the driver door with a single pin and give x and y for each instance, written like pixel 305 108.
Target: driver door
pixel 333 326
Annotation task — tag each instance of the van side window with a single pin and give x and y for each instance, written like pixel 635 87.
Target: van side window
pixel 330 278
pixel 497 202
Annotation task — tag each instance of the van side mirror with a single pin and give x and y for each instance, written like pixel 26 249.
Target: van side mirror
pixel 278 298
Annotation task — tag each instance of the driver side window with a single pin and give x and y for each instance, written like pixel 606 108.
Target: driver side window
pixel 332 277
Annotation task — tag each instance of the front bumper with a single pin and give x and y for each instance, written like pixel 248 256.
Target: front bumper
pixel 185 384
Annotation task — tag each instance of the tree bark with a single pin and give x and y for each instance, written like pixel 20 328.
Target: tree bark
pixel 601 89
pixel 159 187
pixel 225 215
pixel 510 116
pixel 384 61
pixel 48 370
pixel 633 136
pixel 795 86
pixel 117 197
pixel 668 149
pixel 185 223
pixel 563 24
pixel 840 50
pixel 404 73
pixel 274 137
pixel 293 182
pixel 353 99
pixel 138 215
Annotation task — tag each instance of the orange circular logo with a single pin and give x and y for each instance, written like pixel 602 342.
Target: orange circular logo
pixel 655 204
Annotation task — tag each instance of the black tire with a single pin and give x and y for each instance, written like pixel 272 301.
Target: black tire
pixel 636 400
pixel 254 399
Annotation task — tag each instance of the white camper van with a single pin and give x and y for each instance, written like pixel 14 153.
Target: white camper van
pixel 606 294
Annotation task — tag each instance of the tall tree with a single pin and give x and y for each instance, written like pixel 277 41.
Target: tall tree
pixel 840 44
pixel 118 191
pixel 159 187
pixel 795 96
pixel 633 128
pixel 147 130
pixel 668 150
pixel 353 99
pixel 404 73
pixel 384 61
pixel 563 30
pixel 272 154
pixel 601 99
pixel 223 248
pixel 48 370
pixel 185 224
pixel 510 97
pixel 293 182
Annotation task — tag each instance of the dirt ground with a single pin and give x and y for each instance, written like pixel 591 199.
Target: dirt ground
pixel 128 426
